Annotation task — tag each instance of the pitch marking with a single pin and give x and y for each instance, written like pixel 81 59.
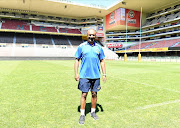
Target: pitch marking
pixel 158 104
pixel 152 86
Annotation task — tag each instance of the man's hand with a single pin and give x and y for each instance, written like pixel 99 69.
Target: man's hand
pixel 76 66
pixel 103 70
pixel 77 77
pixel 104 79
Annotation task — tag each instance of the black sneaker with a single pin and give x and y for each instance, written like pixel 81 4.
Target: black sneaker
pixel 94 116
pixel 82 119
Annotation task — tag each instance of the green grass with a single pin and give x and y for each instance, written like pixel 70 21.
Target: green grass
pixel 44 94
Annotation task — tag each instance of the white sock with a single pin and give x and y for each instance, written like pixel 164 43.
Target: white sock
pixel 93 110
pixel 82 111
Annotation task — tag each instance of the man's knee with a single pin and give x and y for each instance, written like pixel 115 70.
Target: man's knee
pixel 94 94
pixel 84 95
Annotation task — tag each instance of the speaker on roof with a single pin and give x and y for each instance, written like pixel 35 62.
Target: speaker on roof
pixel 124 3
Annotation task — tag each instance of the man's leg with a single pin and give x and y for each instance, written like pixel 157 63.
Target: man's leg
pixel 83 104
pixel 83 100
pixel 93 105
pixel 94 99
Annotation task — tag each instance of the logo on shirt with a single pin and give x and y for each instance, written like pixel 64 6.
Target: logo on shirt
pixel 99 87
pixel 97 50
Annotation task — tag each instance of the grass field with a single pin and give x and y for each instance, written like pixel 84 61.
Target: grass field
pixel 44 94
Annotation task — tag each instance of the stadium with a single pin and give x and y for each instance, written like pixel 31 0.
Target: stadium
pixel 141 42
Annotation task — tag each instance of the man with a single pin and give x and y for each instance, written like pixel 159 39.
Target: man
pixel 92 56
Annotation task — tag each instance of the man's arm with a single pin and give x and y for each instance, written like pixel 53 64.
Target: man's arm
pixel 76 66
pixel 103 69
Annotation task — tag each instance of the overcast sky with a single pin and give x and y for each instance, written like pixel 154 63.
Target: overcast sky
pixel 105 3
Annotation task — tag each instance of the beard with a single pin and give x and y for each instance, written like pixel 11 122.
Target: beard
pixel 91 39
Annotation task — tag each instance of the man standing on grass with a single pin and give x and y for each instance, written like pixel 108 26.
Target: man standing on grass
pixel 92 56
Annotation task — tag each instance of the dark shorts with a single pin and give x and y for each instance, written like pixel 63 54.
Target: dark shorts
pixel 86 84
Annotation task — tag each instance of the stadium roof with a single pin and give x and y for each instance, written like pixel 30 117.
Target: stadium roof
pixel 147 5
pixel 70 9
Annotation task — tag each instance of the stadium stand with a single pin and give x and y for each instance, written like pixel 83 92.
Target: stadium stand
pixel 44 29
pixel 15 24
pixel 43 39
pixel 157 44
pixel 177 45
pixel 25 38
pixel 76 40
pixel 163 18
pixel 109 54
pixel 66 30
pixel 160 25
pixel 143 45
pixel 60 40
pixel 24 25
pixel 75 31
pixel 165 43
pixel 6 37
pixel 22 38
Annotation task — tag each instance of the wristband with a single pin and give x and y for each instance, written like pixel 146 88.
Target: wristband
pixel 104 74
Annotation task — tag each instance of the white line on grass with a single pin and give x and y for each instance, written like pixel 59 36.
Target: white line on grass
pixel 158 104
pixel 151 85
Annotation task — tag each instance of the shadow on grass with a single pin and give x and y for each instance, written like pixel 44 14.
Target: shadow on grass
pixel 88 108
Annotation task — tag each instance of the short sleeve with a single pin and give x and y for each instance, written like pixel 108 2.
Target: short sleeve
pixel 78 53
pixel 101 56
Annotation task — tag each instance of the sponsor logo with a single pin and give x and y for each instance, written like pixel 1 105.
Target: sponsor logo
pixel 131 14
pixel 113 45
pixel 111 22
pixel 100 34
pixel 100 28
pixel 131 21
pixel 112 16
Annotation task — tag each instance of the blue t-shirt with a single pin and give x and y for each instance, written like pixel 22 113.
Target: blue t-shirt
pixel 90 60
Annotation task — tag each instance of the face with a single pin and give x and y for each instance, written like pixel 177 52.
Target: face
pixel 91 36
